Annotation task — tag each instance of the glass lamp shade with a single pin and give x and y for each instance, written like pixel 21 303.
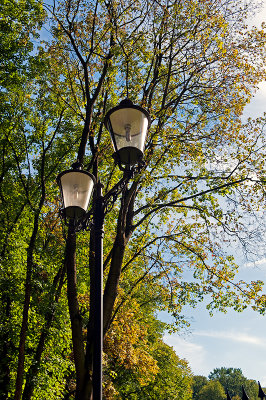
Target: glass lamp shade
pixel 128 125
pixel 76 188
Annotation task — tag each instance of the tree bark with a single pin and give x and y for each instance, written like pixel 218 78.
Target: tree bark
pixel 75 316
pixel 33 371
pixel 24 326
pixel 122 236
pixel 5 348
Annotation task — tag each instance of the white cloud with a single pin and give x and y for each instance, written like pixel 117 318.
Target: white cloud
pixel 194 353
pixel 255 263
pixel 256 107
pixel 263 381
pixel 259 17
pixel 225 350
pixel 234 336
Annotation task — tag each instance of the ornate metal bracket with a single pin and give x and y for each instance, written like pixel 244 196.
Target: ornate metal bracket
pixel 129 173
pixel 80 224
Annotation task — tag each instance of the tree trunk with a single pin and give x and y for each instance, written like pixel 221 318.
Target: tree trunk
pixel 75 316
pixel 24 326
pixel 33 371
pixel 5 349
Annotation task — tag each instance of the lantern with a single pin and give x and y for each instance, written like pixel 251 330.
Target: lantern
pixel 76 188
pixel 128 125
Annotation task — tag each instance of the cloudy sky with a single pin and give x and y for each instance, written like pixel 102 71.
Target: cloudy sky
pixel 234 339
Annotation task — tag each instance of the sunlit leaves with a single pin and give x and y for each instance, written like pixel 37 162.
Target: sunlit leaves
pixel 194 65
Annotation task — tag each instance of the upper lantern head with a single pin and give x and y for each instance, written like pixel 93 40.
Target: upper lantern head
pixel 128 125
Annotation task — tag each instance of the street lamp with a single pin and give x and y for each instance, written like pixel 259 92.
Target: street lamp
pixel 128 125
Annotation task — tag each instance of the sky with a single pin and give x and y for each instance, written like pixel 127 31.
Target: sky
pixel 234 339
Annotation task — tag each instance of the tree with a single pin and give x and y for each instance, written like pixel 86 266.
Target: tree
pixel 198 383
pixel 138 363
pixel 213 390
pixel 129 357
pixel 173 380
pixel 19 22
pixel 232 379
pixel 194 66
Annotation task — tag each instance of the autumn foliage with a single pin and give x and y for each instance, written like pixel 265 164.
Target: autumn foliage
pixel 170 232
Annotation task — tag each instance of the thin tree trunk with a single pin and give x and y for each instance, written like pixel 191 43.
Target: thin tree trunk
pixel 5 350
pixel 33 371
pixel 24 326
pixel 124 226
pixel 75 316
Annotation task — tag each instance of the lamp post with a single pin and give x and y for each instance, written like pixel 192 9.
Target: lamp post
pixel 128 125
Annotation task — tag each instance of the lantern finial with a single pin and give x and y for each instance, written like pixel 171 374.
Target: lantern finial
pixel 126 103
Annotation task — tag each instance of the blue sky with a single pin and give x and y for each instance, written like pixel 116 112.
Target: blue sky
pixel 226 340
pixel 233 339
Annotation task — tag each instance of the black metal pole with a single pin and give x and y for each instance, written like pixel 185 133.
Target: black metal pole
pixel 98 301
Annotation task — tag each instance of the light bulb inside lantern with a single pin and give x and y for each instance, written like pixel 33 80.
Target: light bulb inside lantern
pixel 76 191
pixel 128 129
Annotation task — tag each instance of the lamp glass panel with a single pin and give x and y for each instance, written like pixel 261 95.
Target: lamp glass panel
pixel 129 127
pixel 77 188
